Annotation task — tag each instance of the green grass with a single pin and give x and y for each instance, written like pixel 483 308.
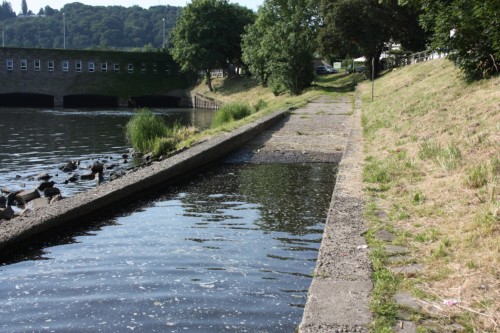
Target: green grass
pixel 260 105
pixel 477 176
pixel 385 284
pixel 143 128
pixel 148 133
pixel 424 120
pixel 449 158
pixel 230 113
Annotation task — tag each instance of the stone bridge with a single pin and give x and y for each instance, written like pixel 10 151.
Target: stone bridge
pixel 90 78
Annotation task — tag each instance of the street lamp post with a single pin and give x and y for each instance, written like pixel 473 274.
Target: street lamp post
pixel 64 31
pixel 163 45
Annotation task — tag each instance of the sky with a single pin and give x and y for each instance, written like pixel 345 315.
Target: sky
pixel 35 5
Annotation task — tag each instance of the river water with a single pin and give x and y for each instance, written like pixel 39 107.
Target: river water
pixel 34 141
pixel 232 249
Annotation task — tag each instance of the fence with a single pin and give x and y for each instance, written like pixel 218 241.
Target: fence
pixel 426 56
pixel 204 102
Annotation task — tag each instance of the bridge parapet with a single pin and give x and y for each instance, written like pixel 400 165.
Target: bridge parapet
pixel 62 73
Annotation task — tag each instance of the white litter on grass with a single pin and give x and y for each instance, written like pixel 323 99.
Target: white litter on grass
pixel 450 302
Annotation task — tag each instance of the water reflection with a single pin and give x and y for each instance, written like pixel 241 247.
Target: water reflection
pixel 232 250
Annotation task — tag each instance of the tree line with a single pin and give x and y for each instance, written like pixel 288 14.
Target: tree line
pixel 278 43
pixel 88 27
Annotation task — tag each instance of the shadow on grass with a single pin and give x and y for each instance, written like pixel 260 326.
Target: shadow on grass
pixel 234 85
pixel 337 83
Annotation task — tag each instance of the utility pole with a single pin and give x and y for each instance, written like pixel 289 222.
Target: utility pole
pixel 163 45
pixel 3 38
pixel 64 31
pixel 373 76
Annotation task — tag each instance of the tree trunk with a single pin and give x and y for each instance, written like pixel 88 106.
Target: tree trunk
pixel 368 64
pixel 209 79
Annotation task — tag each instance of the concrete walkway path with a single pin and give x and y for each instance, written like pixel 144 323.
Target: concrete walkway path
pixel 339 296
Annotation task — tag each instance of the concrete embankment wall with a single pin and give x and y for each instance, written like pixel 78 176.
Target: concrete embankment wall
pixel 71 210
pixel 339 296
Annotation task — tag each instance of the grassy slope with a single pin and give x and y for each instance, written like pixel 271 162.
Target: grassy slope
pixel 432 143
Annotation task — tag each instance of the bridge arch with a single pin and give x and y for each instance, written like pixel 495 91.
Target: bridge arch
pixel 18 99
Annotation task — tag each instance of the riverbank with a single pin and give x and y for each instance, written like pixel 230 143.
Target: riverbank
pixel 432 168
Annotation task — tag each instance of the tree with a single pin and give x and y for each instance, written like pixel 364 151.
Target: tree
pixel 238 19
pixel 91 26
pixel 354 27
pixel 24 7
pixel 279 47
pixel 469 29
pixel 49 11
pixel 6 11
pixel 208 35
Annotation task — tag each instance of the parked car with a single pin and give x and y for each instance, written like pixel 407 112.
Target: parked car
pixel 325 70
pixel 360 69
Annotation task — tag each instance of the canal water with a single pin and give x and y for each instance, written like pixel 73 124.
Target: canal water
pixel 34 141
pixel 231 249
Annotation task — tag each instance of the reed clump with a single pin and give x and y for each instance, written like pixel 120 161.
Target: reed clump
pixel 231 112
pixel 149 133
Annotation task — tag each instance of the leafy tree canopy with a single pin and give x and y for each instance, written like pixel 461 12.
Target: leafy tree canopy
pixel 113 27
pixel 208 35
pixel 279 47
pixel 6 11
pixel 362 27
pixel 469 29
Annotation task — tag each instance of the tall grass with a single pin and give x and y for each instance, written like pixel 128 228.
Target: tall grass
pixel 143 128
pixel 231 112
pixel 148 133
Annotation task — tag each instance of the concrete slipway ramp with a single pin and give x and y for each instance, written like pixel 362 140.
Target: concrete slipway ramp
pixel 326 130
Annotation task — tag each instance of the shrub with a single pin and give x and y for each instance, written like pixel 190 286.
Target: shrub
pixel 231 112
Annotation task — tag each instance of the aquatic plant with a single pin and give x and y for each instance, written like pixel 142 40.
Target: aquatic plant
pixel 231 112
pixel 147 132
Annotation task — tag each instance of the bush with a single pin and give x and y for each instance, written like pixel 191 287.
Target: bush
pixel 231 112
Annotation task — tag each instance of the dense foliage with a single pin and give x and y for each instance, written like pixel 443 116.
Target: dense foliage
pixel 364 27
pixel 89 26
pixel 208 35
pixel 469 29
pixel 279 47
pixel 6 11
